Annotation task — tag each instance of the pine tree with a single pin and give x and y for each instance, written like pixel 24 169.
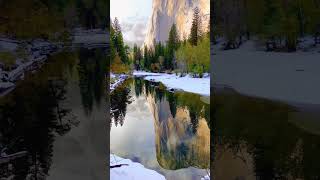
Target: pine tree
pixel 118 42
pixel 135 53
pixel 194 34
pixel 146 58
pixel 112 45
pixel 173 44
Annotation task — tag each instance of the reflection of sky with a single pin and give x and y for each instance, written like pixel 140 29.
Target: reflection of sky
pixel 136 140
pixel 138 124
pixel 133 16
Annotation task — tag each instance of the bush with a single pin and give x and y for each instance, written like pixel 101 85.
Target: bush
pixel 155 67
pixel 118 67
pixel 195 59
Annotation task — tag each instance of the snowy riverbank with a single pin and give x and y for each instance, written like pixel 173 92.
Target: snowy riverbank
pixel 172 81
pixel 116 80
pixel 125 169
pixel 36 52
pixel 289 77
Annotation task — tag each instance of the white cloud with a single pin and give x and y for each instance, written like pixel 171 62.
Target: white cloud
pixel 133 18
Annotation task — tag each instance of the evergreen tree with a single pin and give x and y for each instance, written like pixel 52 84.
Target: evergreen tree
pixel 173 44
pixel 118 42
pixel 135 58
pixel 112 45
pixel 146 58
pixel 194 34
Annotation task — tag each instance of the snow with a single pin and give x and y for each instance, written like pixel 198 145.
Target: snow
pixel 119 79
pixel 207 177
pixel 187 83
pixel 144 73
pixel 289 77
pixel 6 85
pixel 8 44
pixel 131 170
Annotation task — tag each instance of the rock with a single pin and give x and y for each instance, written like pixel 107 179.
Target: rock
pixel 167 12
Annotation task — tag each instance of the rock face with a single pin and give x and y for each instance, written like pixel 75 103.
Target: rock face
pixel 167 12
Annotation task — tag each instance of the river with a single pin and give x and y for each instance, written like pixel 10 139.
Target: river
pixel 56 118
pixel 164 131
pixel 256 138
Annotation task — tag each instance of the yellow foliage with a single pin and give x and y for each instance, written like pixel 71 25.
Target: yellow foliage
pixel 194 58
pixel 118 67
pixel 155 67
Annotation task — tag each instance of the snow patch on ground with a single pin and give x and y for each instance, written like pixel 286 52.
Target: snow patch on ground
pixel 131 170
pixel 119 79
pixel 189 84
pixel 207 177
pixel 290 77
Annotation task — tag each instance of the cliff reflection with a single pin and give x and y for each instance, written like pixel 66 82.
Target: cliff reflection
pixel 182 136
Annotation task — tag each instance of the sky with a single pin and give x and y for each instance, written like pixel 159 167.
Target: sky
pixel 133 16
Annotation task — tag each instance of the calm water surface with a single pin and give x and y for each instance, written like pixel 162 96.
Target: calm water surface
pixel 261 139
pixel 56 117
pixel 164 131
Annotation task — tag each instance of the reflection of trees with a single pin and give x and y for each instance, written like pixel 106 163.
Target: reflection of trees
pixel 171 121
pixel 171 98
pixel 30 116
pixel 278 148
pixel 119 99
pixel 196 107
pixel 192 102
pixel 92 70
pixel 138 86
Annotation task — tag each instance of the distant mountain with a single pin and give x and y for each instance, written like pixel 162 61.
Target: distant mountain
pixel 167 12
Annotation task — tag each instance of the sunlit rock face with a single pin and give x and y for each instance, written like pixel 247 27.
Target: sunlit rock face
pixel 167 12
pixel 177 146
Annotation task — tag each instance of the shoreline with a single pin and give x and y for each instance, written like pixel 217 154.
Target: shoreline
pixel 39 50
pixel 173 82
pixel 119 79
pixel 125 169
pixel 286 77
pixel 305 107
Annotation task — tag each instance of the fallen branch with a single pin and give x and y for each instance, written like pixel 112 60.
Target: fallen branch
pixel 8 158
pixel 118 165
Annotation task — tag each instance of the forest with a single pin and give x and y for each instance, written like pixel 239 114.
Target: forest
pixel 278 24
pixel 188 55
pixel 50 19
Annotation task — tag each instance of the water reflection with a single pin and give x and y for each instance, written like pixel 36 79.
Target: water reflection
pixel 30 116
pixel 261 139
pixel 92 69
pixel 119 100
pixel 41 110
pixel 175 133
